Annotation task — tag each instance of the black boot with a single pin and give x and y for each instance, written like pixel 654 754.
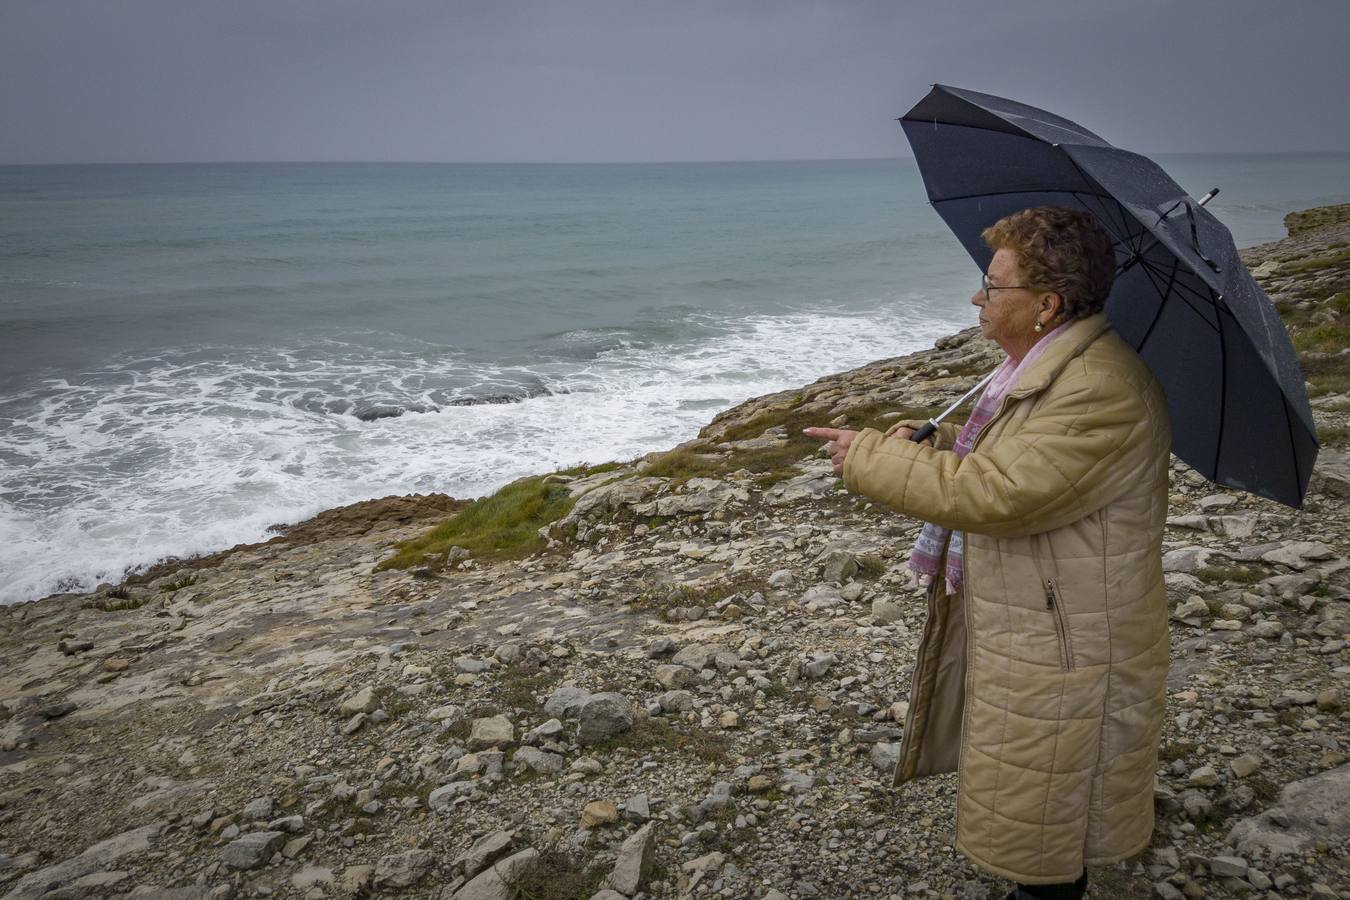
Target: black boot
pixel 1068 890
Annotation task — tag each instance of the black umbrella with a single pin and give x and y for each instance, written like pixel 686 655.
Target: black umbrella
pixel 1181 297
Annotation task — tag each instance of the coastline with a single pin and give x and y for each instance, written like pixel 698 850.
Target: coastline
pixel 169 707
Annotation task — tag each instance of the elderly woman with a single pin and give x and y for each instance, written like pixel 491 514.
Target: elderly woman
pixel 1040 673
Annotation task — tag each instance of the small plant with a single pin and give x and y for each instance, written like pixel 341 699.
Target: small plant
pixel 504 525
pixel 1236 574
pixel 187 579
pixel 562 874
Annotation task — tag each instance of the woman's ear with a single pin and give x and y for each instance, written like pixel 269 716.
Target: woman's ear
pixel 1053 304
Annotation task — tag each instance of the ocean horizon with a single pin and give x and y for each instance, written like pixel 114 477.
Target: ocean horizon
pixel 192 352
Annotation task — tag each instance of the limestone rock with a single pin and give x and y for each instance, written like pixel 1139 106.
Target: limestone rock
pixel 492 731
pixel 1313 809
pixel 253 850
pixel 363 701
pixel 400 870
pixel 603 716
pixel 499 881
pixel 484 852
pixel 566 701
pixel 634 862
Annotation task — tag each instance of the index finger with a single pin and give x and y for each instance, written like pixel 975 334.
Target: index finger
pixel 824 434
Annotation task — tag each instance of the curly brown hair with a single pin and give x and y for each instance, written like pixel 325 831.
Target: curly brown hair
pixel 1060 250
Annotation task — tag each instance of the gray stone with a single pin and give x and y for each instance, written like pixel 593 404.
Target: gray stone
pixel 819 665
pixel 492 731
pixel 697 656
pixel 291 824
pixel 1187 559
pixel 499 881
pixel 676 701
pixel 540 761
pixel 604 716
pixel 661 648
pixel 253 850
pixel 400 870
pixel 566 701
pixel 1192 611
pixel 674 677
pixel 451 714
pixel 1244 765
pixel 257 810
pixel 363 701
pixel 1332 471
pixel 1313 809
pixel 551 728
pixel 886 611
pixel 443 797
pixel 97 857
pixel 1298 554
pixel 1205 776
pixel 796 782
pixel 637 809
pixel 471 666
pixel 484 852
pixel 1270 628
pixel 1228 867
pixel 634 862
pixel 839 566
pixel 885 756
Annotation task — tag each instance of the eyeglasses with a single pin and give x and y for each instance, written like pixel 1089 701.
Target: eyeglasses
pixel 987 287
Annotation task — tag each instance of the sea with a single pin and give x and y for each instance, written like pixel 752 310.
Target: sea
pixel 192 353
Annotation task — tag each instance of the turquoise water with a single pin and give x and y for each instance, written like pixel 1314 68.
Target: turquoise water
pixel 191 353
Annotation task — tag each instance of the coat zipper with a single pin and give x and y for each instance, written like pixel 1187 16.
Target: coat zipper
pixel 1054 604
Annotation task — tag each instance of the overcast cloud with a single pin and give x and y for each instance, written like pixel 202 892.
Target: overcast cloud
pixel 629 80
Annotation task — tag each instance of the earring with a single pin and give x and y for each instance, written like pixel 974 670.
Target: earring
pixel 1039 326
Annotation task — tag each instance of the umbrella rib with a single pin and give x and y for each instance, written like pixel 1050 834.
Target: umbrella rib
pixel 1152 269
pixel 1293 447
pixel 1157 313
pixel 1123 222
pixel 1223 394
pixel 1005 193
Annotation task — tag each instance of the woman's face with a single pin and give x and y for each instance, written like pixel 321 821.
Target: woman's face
pixel 1010 314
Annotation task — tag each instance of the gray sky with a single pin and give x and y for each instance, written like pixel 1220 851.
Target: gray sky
pixel 625 80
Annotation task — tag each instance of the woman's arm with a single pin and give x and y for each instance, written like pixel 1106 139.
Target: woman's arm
pixel 1090 439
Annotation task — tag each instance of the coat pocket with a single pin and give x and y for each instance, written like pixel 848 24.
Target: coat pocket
pixel 1055 603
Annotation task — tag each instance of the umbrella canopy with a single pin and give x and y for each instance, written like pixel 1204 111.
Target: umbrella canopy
pixel 1181 297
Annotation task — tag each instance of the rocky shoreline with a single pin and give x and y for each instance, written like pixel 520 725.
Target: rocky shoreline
pixel 696 690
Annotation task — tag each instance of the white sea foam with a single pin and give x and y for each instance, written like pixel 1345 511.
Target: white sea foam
pixel 190 454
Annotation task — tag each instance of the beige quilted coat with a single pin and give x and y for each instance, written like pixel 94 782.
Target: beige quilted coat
pixel 1042 684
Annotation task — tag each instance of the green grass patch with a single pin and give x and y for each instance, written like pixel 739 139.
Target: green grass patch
pixel 1334 436
pixel 187 579
pixel 516 687
pixel 1317 263
pixel 504 525
pixel 1236 574
pixel 659 596
pixel 1112 883
pixel 562 874
pixel 1330 337
pixel 659 734
pixel 1326 375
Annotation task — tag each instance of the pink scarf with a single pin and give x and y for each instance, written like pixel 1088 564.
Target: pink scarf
pixel 923 561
